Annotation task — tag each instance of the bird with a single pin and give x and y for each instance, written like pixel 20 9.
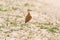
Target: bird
pixel 28 16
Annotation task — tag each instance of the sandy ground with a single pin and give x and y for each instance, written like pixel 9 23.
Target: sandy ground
pixel 44 25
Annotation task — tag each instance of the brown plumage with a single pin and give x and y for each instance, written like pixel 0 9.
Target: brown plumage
pixel 28 17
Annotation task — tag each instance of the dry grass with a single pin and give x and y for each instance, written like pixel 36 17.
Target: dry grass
pixel 42 26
